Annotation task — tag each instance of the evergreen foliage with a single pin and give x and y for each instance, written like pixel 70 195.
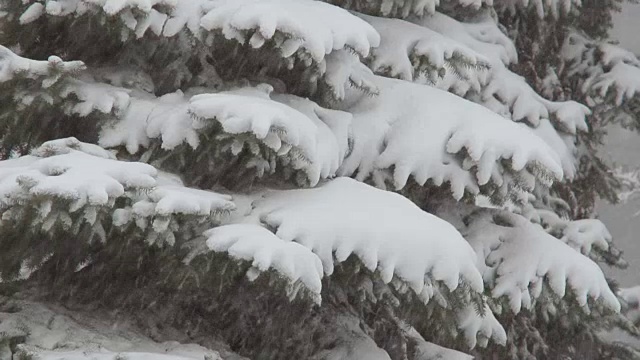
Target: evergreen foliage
pixel 293 179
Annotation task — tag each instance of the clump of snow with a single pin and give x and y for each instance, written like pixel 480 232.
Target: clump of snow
pixel 88 177
pixel 353 343
pixel 250 110
pixel 408 52
pixel 309 137
pixel 399 129
pixel 505 92
pixel 424 350
pixel 585 234
pixel 343 71
pixel 147 117
pixel 12 65
pixel 517 256
pixel 312 28
pixel 562 144
pixel 333 130
pixel 631 300
pixel 623 78
pixel 267 251
pixel 52 333
pixel 606 68
pixel 480 327
pixel 405 8
pixel 542 7
pixel 482 36
pixel 67 173
pixel 137 15
pixel 88 95
pixel 631 295
pixel 334 221
pixel 91 96
pixel 315 27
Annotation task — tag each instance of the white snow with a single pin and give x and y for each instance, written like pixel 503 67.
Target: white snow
pixel 404 8
pixel 89 176
pixel 335 221
pixel 146 118
pixel 425 350
pixel 406 48
pixel 583 235
pixel 94 96
pixel 418 137
pixel 542 7
pixel 353 342
pixel 311 138
pixel 71 174
pixel 315 27
pixel 267 251
pixel 33 12
pixel 505 92
pixel 53 333
pixel 608 69
pixel 478 328
pixel 516 256
pixel 53 68
pixel 343 71
pixel 172 197
pixel 623 78
pixel 120 8
pixel 631 299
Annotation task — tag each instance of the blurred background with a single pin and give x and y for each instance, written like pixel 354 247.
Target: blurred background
pixel 623 149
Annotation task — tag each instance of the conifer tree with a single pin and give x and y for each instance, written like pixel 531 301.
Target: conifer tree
pixel 305 179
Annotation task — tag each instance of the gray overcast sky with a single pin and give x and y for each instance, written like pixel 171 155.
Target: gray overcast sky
pixel 623 147
pixel 627 29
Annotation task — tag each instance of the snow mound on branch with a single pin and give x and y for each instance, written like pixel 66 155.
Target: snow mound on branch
pixel 88 175
pixel 12 65
pixel 623 78
pixel 137 15
pixel 312 27
pixel 88 95
pixel 52 333
pixel 267 251
pixel 171 197
pixel 602 68
pixel 417 130
pixel 335 220
pixel 562 144
pixel 92 96
pixel 505 92
pixel 631 295
pixel 343 71
pixel 517 256
pixel 147 117
pixel 482 36
pixel 480 328
pixel 408 52
pixel 405 8
pixel 332 135
pixel 67 173
pixel 424 350
pixel 542 7
pixel 352 342
pixel 583 235
pixel 292 126
pixel 82 93
pixel 315 27
pixel 300 132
